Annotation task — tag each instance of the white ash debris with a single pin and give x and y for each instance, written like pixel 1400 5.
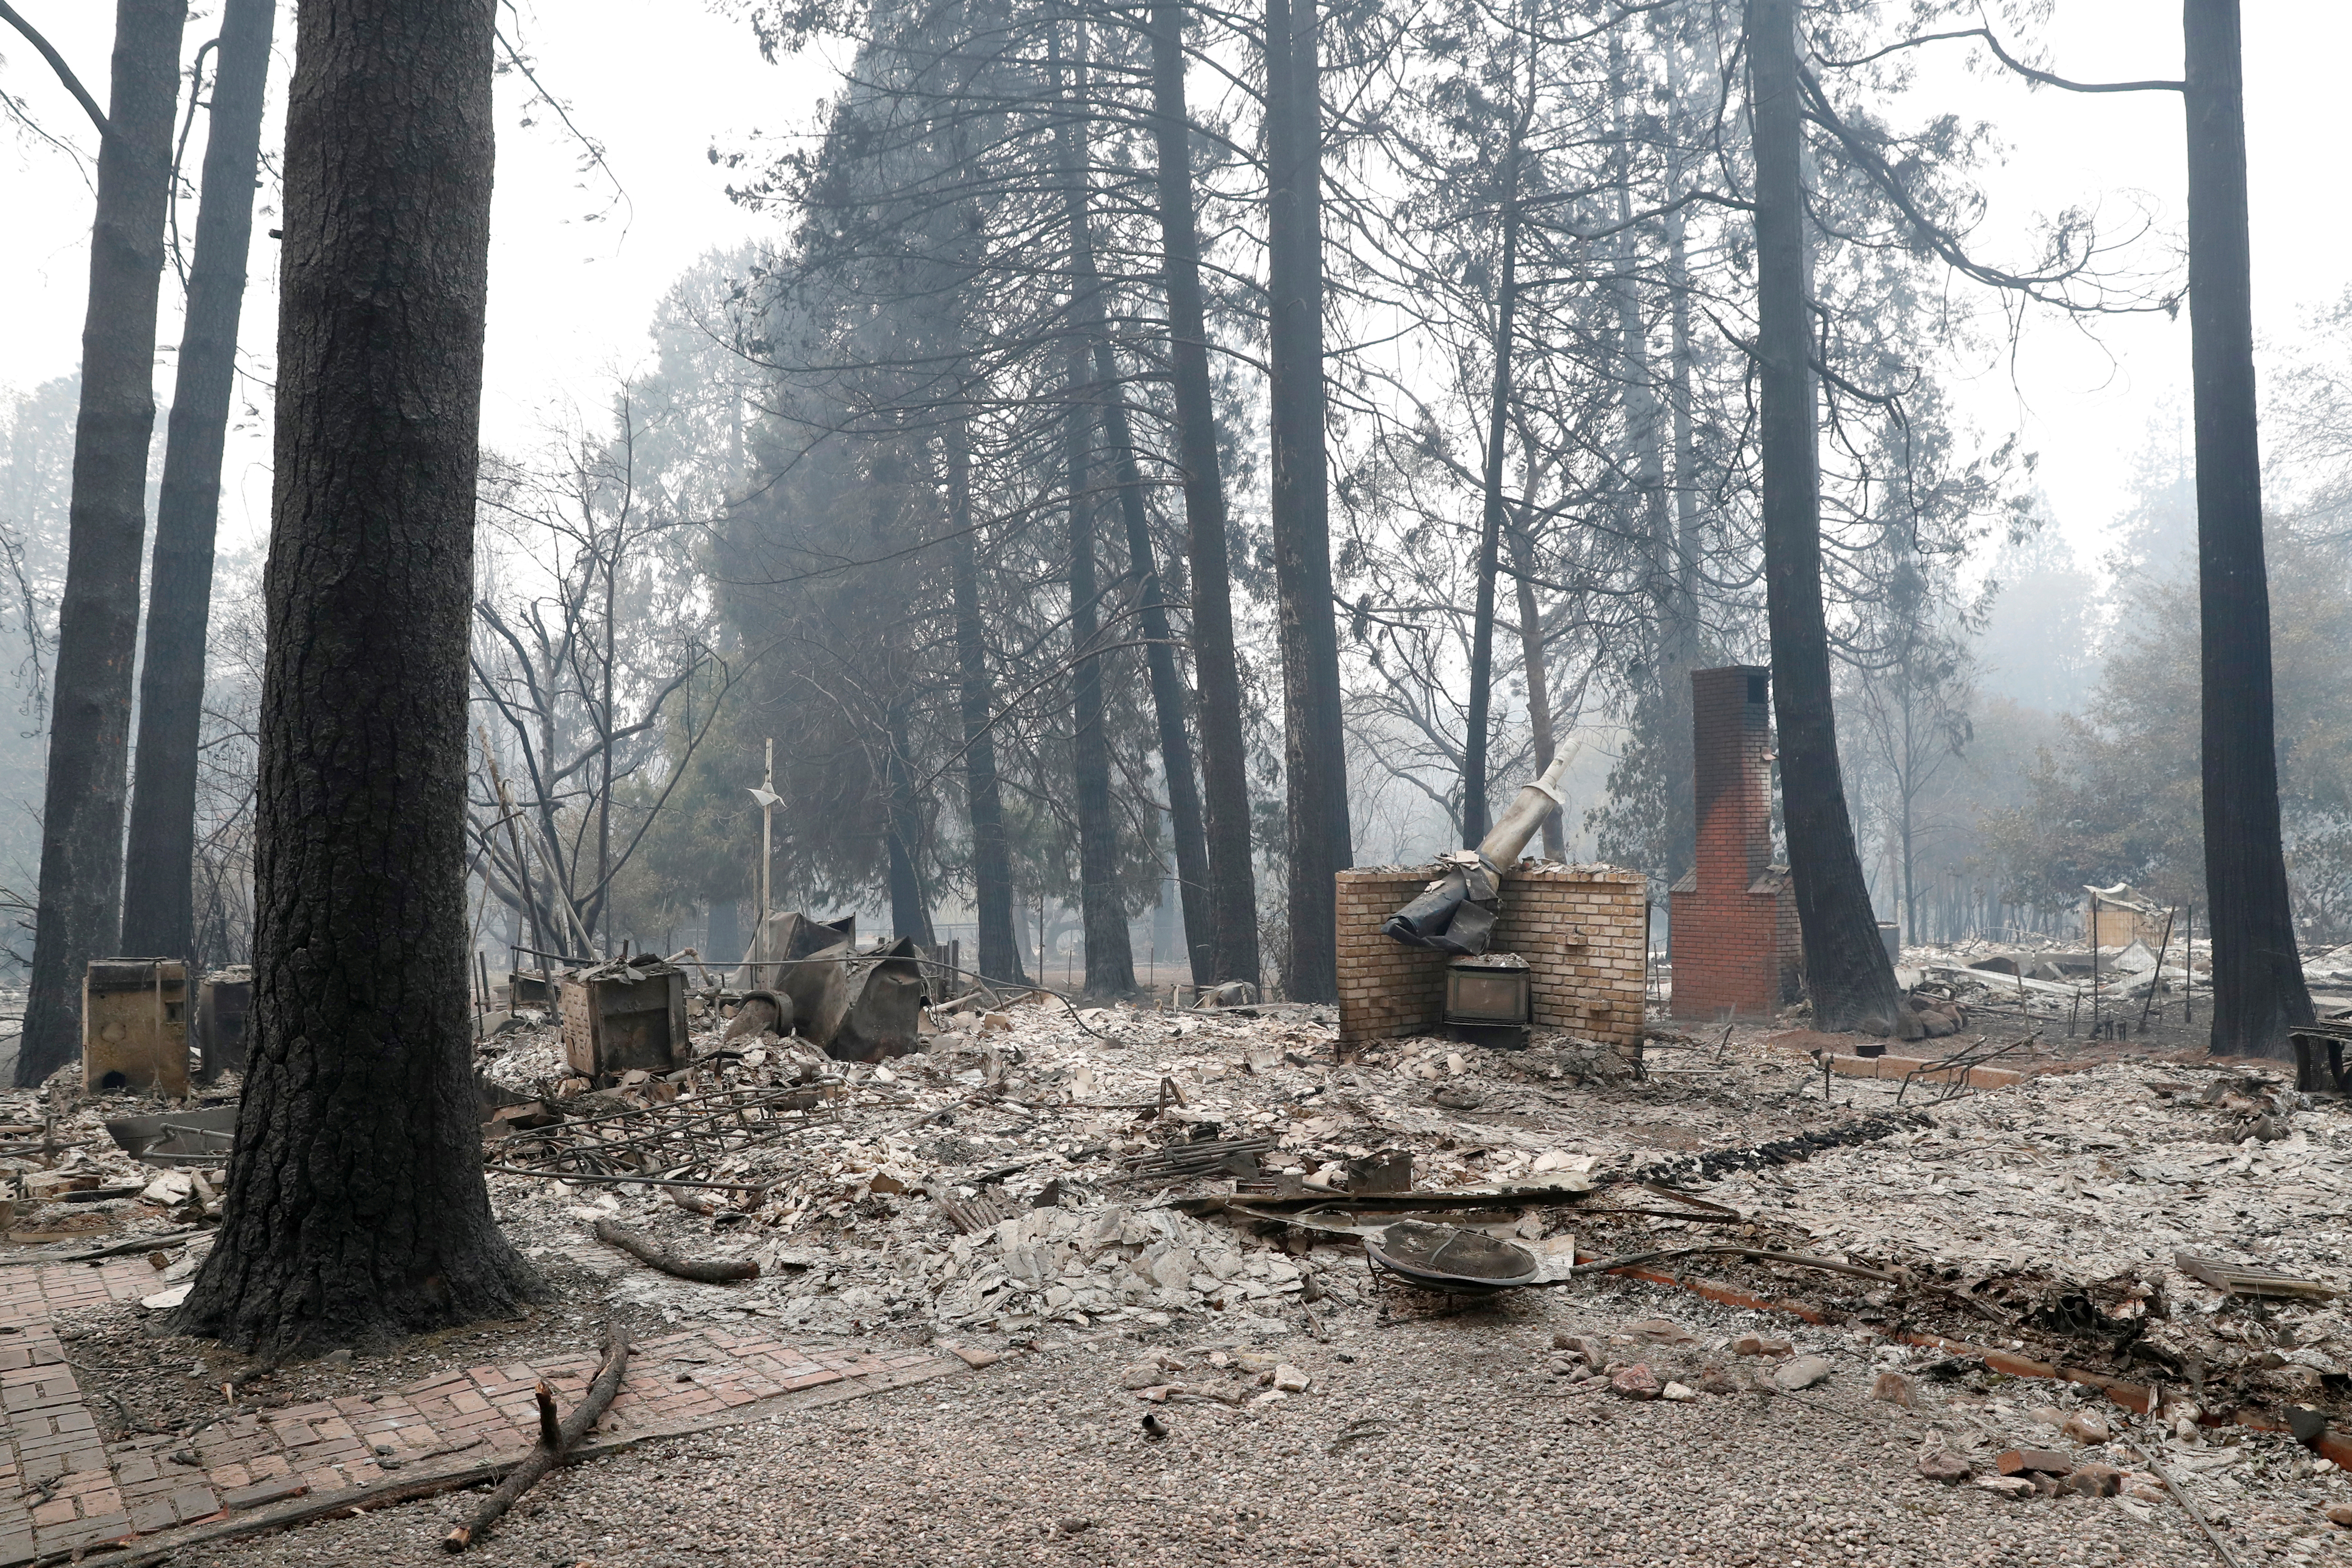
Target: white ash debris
pixel 1049 1105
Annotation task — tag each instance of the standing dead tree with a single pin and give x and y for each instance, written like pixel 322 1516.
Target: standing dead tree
pixel 356 1208
pixel 98 621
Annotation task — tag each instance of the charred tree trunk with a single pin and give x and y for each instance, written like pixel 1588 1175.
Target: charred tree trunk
pixel 1671 655
pixel 1474 786
pixel 1216 671
pixel 999 956
pixel 158 903
pixel 2258 985
pixel 910 912
pixel 1846 970
pixel 1539 679
pixel 1167 686
pixel 1314 744
pixel 1110 956
pixel 1683 646
pixel 356 1208
pixel 81 901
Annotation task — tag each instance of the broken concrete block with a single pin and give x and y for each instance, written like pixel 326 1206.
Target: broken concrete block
pixel 2025 1461
pixel 2095 1481
pixel 2007 1486
pixel 2087 1428
pixel 1943 1464
pixel 1636 1382
pixel 1802 1373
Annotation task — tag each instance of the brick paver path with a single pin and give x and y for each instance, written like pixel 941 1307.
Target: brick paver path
pixel 89 1490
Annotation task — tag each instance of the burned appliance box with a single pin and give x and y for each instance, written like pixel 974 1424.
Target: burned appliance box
pixel 1490 1000
pixel 624 1017
pixel 134 1026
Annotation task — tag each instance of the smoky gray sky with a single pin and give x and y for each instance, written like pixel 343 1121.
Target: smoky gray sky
pixel 659 84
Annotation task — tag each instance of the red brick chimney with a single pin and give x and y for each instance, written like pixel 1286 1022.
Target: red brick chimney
pixel 1733 938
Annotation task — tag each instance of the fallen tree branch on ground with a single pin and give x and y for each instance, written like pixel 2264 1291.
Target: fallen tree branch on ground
pixel 555 1441
pixel 646 1250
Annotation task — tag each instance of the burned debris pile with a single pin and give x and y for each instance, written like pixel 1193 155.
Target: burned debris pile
pixel 990 1171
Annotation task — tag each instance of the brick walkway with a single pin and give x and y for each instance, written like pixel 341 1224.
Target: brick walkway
pixel 92 1490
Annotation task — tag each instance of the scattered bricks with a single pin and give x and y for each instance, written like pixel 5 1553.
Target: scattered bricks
pixel 1636 1382
pixel 1945 1466
pixel 2033 1461
pixel 2095 1481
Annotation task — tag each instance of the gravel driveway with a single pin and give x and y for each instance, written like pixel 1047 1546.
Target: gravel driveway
pixel 1431 1439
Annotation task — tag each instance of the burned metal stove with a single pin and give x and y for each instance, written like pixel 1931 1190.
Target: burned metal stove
pixel 1490 1000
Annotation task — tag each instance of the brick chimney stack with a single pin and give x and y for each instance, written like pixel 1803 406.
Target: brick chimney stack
pixel 1733 936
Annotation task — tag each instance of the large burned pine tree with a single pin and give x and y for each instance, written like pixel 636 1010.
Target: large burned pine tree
pixel 356 1206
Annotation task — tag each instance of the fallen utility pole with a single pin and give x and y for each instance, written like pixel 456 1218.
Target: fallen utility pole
pixel 555 1442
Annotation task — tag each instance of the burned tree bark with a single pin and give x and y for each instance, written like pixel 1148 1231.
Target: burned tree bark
pixel 80 906
pixel 1490 520
pixel 910 910
pixel 1537 673
pixel 1684 648
pixel 356 1208
pixel 2257 984
pixel 1151 605
pixel 999 956
pixel 157 897
pixel 1110 957
pixel 1314 746
pixel 1224 784
pixel 1167 686
pixel 1846 971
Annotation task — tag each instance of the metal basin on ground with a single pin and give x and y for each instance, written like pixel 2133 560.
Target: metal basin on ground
pixel 1443 1258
